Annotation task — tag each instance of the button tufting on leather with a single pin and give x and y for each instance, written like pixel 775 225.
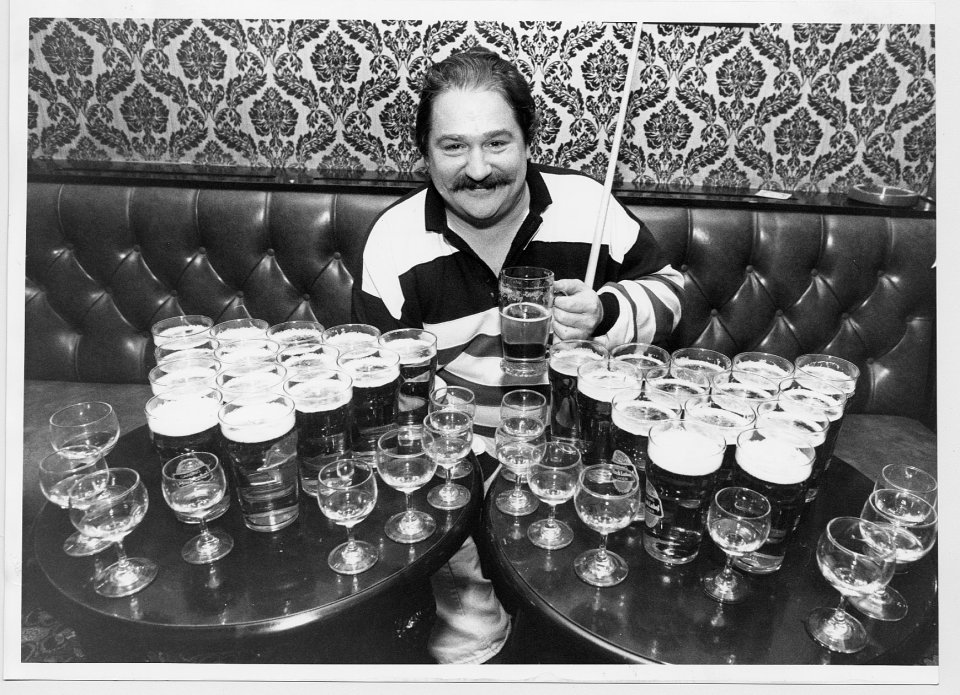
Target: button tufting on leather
pixel 173 293
pixel 337 255
pixel 714 312
pixel 269 252
pixel 306 297
pixel 683 268
pixel 202 250
pixel 880 273
pixel 779 312
pixel 844 316
pixel 136 248
pixel 749 269
pixel 814 272
pixel 68 246
pixel 239 295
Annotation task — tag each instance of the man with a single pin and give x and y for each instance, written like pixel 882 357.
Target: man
pixel 432 261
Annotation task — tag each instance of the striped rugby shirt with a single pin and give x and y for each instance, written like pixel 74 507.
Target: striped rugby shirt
pixel 418 273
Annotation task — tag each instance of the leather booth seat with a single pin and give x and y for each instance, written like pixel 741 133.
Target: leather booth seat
pixel 106 261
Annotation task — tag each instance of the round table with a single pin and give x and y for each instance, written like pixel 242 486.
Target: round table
pixel 660 614
pixel 270 585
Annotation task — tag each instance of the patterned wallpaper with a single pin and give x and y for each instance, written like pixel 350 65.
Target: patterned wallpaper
pixel 813 107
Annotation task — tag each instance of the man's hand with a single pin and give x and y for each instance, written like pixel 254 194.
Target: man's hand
pixel 577 311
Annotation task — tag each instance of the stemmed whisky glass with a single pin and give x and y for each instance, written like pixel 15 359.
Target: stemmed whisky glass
pixel 858 558
pixel 606 500
pixel 738 521
pixel 517 440
pixel 907 478
pixel 447 438
pixel 404 466
pixel 109 504
pixel 57 475
pixel 553 479
pixel 192 485
pixel 347 494
pixel 457 398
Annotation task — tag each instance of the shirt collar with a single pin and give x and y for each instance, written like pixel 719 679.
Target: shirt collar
pixel 435 210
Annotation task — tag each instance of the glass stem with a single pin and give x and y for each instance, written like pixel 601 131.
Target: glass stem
pixel 602 550
pixel 551 522
pixel 517 486
pixel 351 541
pixel 123 564
pixel 726 575
pixel 408 505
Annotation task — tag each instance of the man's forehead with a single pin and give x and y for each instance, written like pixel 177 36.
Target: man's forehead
pixel 483 111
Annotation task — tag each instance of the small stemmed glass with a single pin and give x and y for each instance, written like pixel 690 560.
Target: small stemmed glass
pixel 517 440
pixel 347 493
pixel 109 504
pixel 738 521
pixel 606 500
pixel 901 476
pixel 192 484
pixel 85 430
pixel 913 523
pixel 404 466
pixel 457 398
pixel 57 475
pixel 858 558
pixel 553 479
pixel 524 403
pixel 447 438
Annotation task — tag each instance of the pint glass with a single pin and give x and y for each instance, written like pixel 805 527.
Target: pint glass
pixel 236 380
pixel 776 463
pixel 347 336
pixel 307 353
pixel 701 360
pixel 175 327
pixel 566 357
pixel 322 399
pixel 418 369
pixel 632 416
pixel 650 360
pixel 376 383
pixel 183 420
pixel 260 445
pixel 681 475
pixel 243 351
pixel 526 319
pixel 726 415
pixel 597 383
pixel 293 332
pixel 749 386
pixel 239 329
pixel 185 347
pixel 765 364
pixel 195 371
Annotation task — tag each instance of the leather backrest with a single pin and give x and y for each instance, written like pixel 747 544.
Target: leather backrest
pixel 104 262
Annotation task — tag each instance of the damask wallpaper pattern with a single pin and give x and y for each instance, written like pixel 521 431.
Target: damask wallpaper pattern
pixel 814 107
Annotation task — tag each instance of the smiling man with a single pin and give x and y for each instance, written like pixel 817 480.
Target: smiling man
pixel 432 261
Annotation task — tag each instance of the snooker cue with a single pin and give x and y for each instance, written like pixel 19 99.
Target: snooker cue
pixel 612 163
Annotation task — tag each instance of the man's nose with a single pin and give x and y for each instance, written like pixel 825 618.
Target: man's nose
pixel 477 166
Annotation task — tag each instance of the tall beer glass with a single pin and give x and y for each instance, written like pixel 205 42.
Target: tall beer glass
pixel 633 413
pixel 260 446
pixel 376 384
pixel 678 387
pixel 242 378
pixel 239 329
pixel 701 360
pixel 838 371
pixel 347 336
pixel 179 327
pixel 243 351
pixel 566 357
pixel 728 416
pixel 681 476
pixel 526 319
pixel 828 401
pixel 752 388
pixel 196 372
pixel 307 352
pixel 418 370
pixel 650 360
pixel 776 463
pixel 517 448
pixel 190 346
pixel 322 398
pixel 293 332
pixel 763 363
pixel 597 383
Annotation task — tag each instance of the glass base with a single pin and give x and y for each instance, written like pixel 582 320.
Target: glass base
pixel 888 605
pixel 550 536
pixel 846 635
pixel 448 497
pixel 596 569
pixel 361 557
pixel 410 527
pixel 116 581
pixel 725 588
pixel 202 551
pixel 524 368
pixel 462 469
pixel 517 503
pixel 78 545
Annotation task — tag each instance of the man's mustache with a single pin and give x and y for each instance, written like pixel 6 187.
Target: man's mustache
pixel 465 183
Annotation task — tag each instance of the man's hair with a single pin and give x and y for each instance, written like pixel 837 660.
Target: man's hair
pixel 477 68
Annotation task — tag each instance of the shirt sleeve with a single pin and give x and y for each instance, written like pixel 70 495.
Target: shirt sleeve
pixel 377 298
pixel 641 292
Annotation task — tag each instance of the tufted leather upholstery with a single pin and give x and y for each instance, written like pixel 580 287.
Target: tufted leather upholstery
pixel 104 262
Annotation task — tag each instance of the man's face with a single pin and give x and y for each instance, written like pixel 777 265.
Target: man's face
pixel 477 155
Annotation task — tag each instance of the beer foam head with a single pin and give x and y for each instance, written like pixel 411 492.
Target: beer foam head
pixel 603 383
pixel 638 416
pixel 319 394
pixel 286 336
pixel 240 333
pixel 249 382
pixel 412 350
pixel 763 368
pixel 568 361
pixel 350 339
pixel 728 423
pixel 685 450
pixel 844 382
pixel 818 402
pixel 696 365
pixel 774 460
pixel 183 416
pixel 256 421
pixel 809 429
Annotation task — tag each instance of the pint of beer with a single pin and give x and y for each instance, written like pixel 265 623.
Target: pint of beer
pixel 598 382
pixel 776 462
pixel 184 420
pixel 195 371
pixel 566 357
pixel 260 446
pixel 322 398
pixel 175 327
pixel 727 416
pixel 526 319
pixel 376 384
pixel 681 475
pixel 633 414
pixel 418 370
pixel 650 360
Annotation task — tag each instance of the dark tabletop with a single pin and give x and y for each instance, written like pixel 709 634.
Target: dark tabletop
pixel 269 583
pixel 660 614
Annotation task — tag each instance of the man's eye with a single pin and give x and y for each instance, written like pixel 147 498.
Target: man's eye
pixel 498 144
pixel 452 147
